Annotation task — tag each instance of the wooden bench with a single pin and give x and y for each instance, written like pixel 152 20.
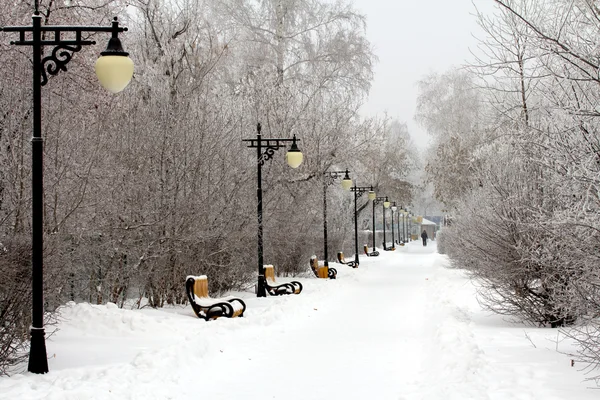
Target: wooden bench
pixel 342 260
pixel 373 253
pixel 207 307
pixel 322 271
pixel 293 287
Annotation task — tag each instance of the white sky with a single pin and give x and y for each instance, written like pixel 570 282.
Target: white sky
pixel 413 38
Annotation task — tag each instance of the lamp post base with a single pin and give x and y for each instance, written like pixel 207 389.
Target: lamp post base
pixel 261 288
pixel 38 361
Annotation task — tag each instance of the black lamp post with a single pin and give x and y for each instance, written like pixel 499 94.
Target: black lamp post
pixel 265 148
pixel 358 191
pixel 400 238
pixel 386 204
pixel 394 208
pixel 328 178
pixel 401 212
pixel 403 230
pixel 409 226
pixel 114 70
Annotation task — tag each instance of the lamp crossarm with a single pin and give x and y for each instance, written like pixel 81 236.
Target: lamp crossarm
pixel 57 29
pixel 379 200
pixel 360 190
pixel 270 146
pixel 63 49
pixel 329 177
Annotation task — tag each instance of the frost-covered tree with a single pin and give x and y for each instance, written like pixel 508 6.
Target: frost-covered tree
pixel 529 229
pixel 450 108
pixel 154 184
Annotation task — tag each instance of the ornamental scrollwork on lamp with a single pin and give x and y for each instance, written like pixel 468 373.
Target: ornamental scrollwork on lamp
pixel 58 60
pixel 267 154
pixel 330 177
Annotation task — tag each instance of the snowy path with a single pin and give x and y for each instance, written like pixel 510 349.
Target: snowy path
pixel 358 339
pixel 400 327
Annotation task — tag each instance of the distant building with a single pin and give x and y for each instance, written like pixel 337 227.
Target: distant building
pixel 426 225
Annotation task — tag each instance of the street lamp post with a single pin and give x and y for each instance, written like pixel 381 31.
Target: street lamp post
pixel 265 148
pixel 405 224
pixel 114 70
pixel 358 191
pixel 380 199
pixel 400 238
pixel 386 204
pixel 410 226
pixel 328 178
pixel 394 208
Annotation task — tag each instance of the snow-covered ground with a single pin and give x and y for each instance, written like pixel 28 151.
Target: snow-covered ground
pixel 403 326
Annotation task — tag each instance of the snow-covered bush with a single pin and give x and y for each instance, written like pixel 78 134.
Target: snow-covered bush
pixel 526 200
pixel 15 301
pixel 441 240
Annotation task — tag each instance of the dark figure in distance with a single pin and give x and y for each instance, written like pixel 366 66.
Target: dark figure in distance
pixel 424 237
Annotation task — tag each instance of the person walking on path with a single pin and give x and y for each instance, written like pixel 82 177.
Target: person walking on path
pixel 424 237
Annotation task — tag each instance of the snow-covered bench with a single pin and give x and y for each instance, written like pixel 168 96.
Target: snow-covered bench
pixel 391 248
pixel 293 287
pixel 322 271
pixel 373 253
pixel 207 307
pixel 342 260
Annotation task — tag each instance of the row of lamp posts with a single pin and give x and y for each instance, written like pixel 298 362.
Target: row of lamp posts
pixel 265 148
pixel 406 217
pixel 385 204
pixel 114 70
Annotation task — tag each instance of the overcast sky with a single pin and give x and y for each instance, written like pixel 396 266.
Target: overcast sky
pixel 413 38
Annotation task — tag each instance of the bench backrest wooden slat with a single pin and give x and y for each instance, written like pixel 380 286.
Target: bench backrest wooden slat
pixel 314 264
pixel 323 272
pixel 320 270
pixel 269 273
pixel 201 287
